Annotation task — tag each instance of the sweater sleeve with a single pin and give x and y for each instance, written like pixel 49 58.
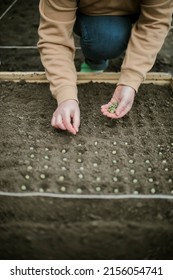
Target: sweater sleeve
pixel 147 37
pixel 56 46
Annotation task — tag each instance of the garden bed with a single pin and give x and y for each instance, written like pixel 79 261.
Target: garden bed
pixel 103 186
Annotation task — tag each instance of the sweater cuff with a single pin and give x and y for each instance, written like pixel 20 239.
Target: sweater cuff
pixel 65 93
pixel 130 78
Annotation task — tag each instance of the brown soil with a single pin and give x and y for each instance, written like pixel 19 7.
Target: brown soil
pixel 144 143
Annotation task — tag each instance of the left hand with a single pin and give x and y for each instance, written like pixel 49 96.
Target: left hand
pixel 124 96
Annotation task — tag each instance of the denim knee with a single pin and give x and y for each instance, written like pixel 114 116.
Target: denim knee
pixel 103 37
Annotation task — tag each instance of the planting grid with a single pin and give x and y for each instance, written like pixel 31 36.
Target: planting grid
pixel 130 156
pixel 79 164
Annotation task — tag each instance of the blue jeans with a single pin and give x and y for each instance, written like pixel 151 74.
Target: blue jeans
pixel 103 37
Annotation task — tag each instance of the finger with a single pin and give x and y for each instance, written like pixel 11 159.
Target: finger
pixel 68 125
pixel 122 107
pixel 58 123
pixel 76 120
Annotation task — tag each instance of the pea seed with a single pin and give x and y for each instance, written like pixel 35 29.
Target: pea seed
pixel 46 157
pixel 147 161
pixel 42 176
pixel 61 178
pixel 153 190
pixel 27 177
pixel 149 169
pixel 63 189
pixel 116 190
pixel 98 179
pixel 98 189
pixel 63 168
pixel 114 161
pixel 80 176
pixel 79 160
pixel 136 192
pixel 95 143
pixel 114 143
pixel 130 160
pixel 150 180
pixel 132 171
pixel 79 190
pixel 117 170
pixel 81 168
pixel 135 181
pixel 115 179
pixel 46 167
pixel 23 188
pixel 32 156
pixel 170 180
pixel 64 159
pixel 41 190
pixel 29 168
pixel 114 152
pixel 95 164
pixel 166 169
pixel 63 151
pixel 46 149
pixel 31 148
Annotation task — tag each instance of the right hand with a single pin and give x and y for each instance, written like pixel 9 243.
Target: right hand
pixel 67 116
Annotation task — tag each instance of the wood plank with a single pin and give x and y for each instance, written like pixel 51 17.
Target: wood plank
pixel 107 77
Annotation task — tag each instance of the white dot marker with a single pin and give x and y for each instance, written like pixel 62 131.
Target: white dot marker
pixel 136 192
pixel 46 166
pixel 41 190
pixel 31 148
pixel 149 169
pixel 46 149
pixel 114 152
pixel 114 143
pixel 79 160
pixel 130 160
pixel 64 159
pixel 95 143
pixel 32 156
pixel 63 151
pixel 46 157
pixel 95 164
pixel 98 189
pixel 117 170
pixel 132 171
pixel 81 168
pixel 170 180
pixel 147 161
pixel 114 161
pixel 27 177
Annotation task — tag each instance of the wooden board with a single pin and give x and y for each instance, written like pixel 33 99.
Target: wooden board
pixel 108 77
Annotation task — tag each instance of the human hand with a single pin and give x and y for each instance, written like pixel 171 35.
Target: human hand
pixel 124 96
pixel 67 116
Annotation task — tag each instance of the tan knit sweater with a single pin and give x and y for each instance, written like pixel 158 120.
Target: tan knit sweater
pixel 56 42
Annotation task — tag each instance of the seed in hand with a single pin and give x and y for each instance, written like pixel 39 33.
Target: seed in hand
pixel 112 108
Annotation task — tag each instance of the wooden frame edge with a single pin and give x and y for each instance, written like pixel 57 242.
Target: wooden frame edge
pixel 106 77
